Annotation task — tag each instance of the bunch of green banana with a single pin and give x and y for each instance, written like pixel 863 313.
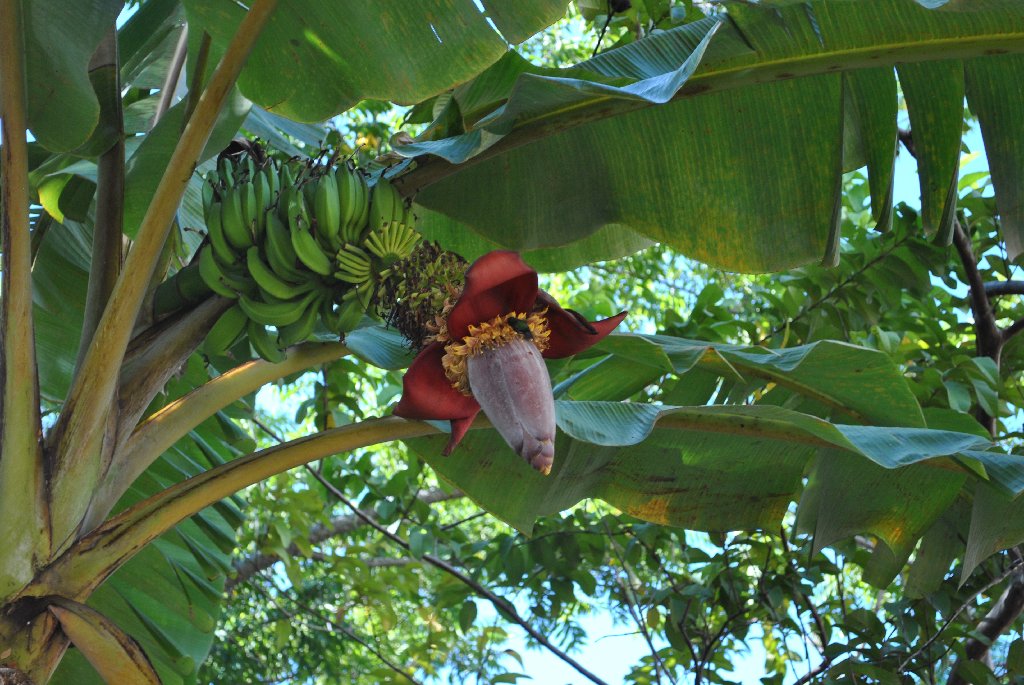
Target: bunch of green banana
pixel 297 244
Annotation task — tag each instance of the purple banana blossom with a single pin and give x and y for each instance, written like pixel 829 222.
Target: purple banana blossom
pixel 491 358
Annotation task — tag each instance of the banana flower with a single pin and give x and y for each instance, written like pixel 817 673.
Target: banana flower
pixel 488 354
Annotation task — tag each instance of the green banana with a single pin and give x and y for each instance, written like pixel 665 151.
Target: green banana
pixel 392 242
pixel 250 169
pixel 263 342
pixel 353 265
pixel 303 327
pixel 273 181
pixel 233 221
pixel 226 171
pixel 277 245
pixel 285 200
pixel 214 228
pixel 261 187
pixel 250 208
pixel 212 273
pixel 269 281
pixel 385 203
pixel 226 331
pixel 308 189
pixel 286 176
pixel 362 204
pixel 327 209
pixel 330 315
pixel 408 218
pixel 278 313
pixel 307 249
pixel 209 197
pixel 350 196
pixel 350 312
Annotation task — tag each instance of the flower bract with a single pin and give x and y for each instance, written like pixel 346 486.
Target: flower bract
pixel 489 356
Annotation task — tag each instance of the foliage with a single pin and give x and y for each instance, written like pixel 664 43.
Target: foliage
pixel 823 427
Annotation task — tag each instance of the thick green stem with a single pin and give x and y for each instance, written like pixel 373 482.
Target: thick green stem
pixel 22 495
pixel 80 429
pixel 159 431
pixel 84 566
pixel 106 234
pixel 156 354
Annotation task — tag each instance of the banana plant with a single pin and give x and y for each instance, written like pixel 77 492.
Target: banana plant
pixel 129 466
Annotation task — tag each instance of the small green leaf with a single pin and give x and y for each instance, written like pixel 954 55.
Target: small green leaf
pixel 1015 657
pixel 420 542
pixel 467 615
pixel 654 618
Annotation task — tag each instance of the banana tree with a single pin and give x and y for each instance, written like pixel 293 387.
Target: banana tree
pixel 136 462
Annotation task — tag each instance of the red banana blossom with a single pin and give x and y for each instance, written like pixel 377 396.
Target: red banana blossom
pixel 488 356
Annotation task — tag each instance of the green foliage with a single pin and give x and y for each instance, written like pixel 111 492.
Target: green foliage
pixel 821 432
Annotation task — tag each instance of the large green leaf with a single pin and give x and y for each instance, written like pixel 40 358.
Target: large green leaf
pixel 609 241
pixel 168 597
pixel 849 382
pixel 1001 113
pixel 737 163
pixel 723 468
pixel 62 107
pixel 934 94
pixel 60 277
pixel 317 59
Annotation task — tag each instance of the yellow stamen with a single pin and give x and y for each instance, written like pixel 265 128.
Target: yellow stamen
pixel 486 336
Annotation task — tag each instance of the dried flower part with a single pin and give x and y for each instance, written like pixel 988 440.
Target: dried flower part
pixel 487 336
pixel 417 293
pixel 512 386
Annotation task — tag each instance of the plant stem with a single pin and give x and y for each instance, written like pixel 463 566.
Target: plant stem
pixel 173 75
pixel 157 353
pixel 107 230
pixel 22 478
pixel 87 563
pixel 79 430
pixel 168 425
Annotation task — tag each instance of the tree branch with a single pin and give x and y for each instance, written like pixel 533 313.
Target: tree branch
pixel 503 606
pixel 996 288
pixel 329 626
pixel 1015 568
pixel 988 338
pixel 249 566
pixel 633 607
pixel 80 427
pixel 999 618
pixel 22 470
